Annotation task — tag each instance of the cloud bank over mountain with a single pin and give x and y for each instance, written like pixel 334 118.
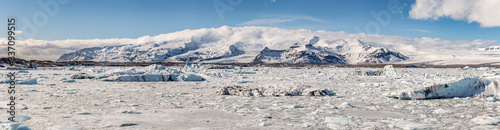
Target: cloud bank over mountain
pixel 253 39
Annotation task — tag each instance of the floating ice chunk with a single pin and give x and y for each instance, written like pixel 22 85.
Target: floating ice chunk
pixel 331 105
pixel 346 105
pixel 218 67
pixel 493 88
pixel 487 120
pixel 462 88
pixel 15 68
pixel 14 126
pixel 365 73
pixel 29 81
pixel 410 125
pixel 62 128
pixel 191 77
pixel 155 67
pixel 199 128
pixel 155 78
pixel 483 68
pixel 93 70
pixel 130 112
pixel 371 84
pixel 339 122
pixel 69 81
pixel 274 90
pixel 295 106
pixel 490 74
pixel 307 125
pixel 143 78
pixel 244 72
pixel 243 82
pixel 388 70
pixel 318 112
pixel 442 111
pixel 131 71
pixel 17 118
pixel 82 76
pixel 492 99
pixel 264 124
pixel 484 127
pixel 318 92
pixel 22 71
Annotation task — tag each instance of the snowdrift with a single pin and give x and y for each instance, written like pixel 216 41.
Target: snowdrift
pixel 274 90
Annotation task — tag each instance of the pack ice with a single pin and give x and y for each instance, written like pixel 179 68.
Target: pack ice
pixel 274 90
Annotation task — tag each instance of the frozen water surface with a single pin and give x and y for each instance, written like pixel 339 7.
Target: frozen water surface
pixel 57 101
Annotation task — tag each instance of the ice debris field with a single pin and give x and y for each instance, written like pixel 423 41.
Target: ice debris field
pixel 228 97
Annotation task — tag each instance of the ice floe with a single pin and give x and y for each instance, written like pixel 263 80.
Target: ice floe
pixel 14 126
pixel 274 90
pixel 462 88
pixel 339 123
pixel 152 73
pixel 411 125
pixel 27 81
pixel 388 70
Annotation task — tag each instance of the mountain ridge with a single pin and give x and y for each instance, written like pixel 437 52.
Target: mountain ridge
pixel 298 53
pixel 242 45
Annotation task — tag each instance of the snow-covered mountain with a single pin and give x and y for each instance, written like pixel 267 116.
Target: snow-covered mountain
pixel 300 54
pixel 183 50
pixel 248 44
pixel 361 52
pixel 343 52
pixel 166 51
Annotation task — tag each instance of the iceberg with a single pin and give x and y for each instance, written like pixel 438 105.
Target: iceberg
pixel 274 90
pixel 463 88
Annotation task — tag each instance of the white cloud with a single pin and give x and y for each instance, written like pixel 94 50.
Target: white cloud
pixel 484 12
pixel 278 19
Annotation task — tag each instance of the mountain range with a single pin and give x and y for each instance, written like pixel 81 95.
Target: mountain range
pixel 193 49
pixel 252 44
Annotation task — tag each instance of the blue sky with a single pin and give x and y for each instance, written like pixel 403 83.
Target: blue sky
pixel 102 19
